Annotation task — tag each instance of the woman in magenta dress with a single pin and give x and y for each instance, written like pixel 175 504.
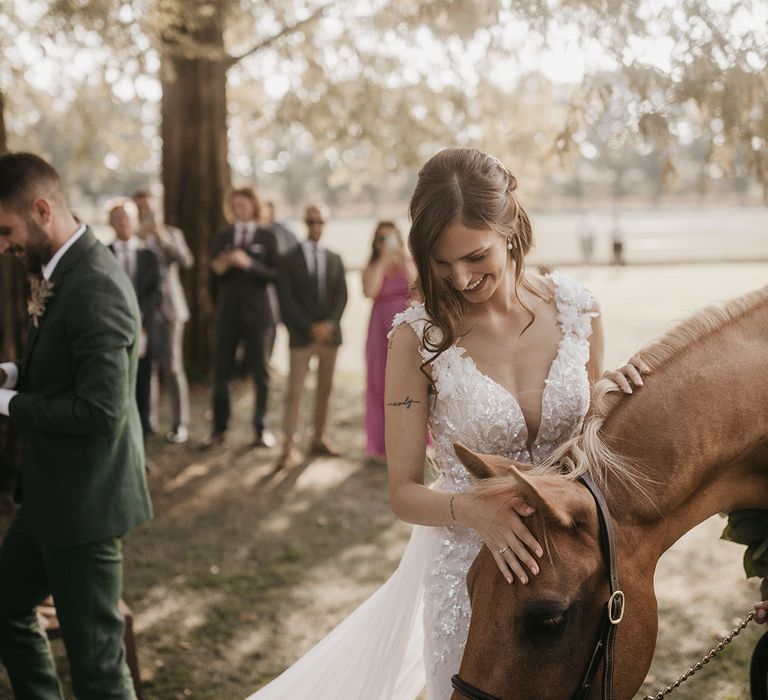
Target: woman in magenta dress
pixel 386 279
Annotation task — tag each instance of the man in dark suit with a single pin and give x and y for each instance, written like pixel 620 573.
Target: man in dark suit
pixel 143 269
pixel 313 293
pixel 81 476
pixel 244 262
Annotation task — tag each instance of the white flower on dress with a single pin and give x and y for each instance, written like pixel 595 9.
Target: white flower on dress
pixel 452 371
pixel 582 327
pixel 573 302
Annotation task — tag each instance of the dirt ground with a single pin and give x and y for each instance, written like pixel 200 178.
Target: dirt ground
pixel 244 568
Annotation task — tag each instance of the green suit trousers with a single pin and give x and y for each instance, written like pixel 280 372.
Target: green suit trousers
pixel 86 583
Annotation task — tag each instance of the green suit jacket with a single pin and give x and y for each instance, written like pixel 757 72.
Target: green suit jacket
pixel 82 477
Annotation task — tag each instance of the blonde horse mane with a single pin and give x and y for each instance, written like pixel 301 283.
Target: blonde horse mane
pixel 587 453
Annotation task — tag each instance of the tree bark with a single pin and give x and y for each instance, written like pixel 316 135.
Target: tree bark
pixel 3 143
pixel 196 173
pixel 13 328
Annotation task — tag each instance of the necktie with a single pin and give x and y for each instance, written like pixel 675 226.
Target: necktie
pixel 316 271
pixel 242 236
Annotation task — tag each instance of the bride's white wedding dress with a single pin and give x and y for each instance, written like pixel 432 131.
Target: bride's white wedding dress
pixel 413 629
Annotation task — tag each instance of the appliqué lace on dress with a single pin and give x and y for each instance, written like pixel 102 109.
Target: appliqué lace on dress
pixel 376 652
pixel 474 409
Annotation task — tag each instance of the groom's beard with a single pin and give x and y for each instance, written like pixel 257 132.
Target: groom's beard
pixel 37 250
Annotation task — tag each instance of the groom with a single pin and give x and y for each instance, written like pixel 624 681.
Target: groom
pixel 81 477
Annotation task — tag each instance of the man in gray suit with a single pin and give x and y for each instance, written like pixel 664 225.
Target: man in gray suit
pixel 171 248
pixel 143 269
pixel 286 238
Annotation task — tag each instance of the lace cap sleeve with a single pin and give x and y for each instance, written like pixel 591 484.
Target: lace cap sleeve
pixel 576 305
pixel 416 317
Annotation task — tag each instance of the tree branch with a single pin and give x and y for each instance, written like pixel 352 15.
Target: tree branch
pixel 285 31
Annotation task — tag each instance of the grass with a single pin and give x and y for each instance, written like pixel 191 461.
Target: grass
pixel 243 568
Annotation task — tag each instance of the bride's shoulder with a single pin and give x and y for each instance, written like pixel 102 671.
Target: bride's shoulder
pixel 570 292
pixel 541 282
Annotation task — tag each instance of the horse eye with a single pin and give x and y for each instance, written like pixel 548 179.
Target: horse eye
pixel 553 623
pixel 547 626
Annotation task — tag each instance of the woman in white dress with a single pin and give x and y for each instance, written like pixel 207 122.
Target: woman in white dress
pixel 496 358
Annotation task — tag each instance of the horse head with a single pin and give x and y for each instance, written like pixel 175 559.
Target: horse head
pixel 537 640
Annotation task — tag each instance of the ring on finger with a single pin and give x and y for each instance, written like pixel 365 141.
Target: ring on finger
pixel 504 549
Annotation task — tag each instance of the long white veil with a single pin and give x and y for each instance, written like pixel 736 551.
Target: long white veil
pixel 376 653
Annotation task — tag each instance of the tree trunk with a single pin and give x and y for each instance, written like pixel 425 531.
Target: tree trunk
pixel 13 327
pixel 3 145
pixel 196 173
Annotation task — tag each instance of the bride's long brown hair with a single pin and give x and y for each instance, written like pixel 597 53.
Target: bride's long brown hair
pixel 467 186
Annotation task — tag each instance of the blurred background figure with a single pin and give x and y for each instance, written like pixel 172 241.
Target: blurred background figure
pixel 244 262
pixel 286 238
pixel 586 234
pixel 387 279
pixel 173 253
pixel 617 240
pixel 313 294
pixel 143 269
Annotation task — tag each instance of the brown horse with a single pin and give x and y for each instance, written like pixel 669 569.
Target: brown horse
pixel 691 443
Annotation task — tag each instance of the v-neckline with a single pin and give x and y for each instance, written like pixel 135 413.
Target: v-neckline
pixel 466 356
pixel 532 444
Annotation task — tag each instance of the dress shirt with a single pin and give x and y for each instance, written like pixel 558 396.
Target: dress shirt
pixel 50 266
pixel 11 369
pixel 11 374
pixel 309 248
pixel 126 253
pixel 244 232
pixel 6 393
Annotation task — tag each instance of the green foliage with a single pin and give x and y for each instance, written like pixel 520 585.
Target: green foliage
pixel 750 527
pixel 349 93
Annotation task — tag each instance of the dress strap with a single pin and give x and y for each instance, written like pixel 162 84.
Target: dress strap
pixel 417 318
pixel 576 306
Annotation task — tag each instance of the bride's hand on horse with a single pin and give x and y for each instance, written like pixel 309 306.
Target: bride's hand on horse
pixel 761 612
pixel 624 377
pixel 501 527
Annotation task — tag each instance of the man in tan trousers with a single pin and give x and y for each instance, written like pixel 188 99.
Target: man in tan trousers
pixel 313 293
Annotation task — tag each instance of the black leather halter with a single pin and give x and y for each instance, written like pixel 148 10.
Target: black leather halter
pixel 613 612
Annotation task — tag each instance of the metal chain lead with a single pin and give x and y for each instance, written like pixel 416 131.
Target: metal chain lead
pixel 705 660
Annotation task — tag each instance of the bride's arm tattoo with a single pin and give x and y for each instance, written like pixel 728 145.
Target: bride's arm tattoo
pixel 407 402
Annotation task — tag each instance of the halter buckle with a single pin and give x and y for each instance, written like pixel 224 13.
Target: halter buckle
pixel 617 597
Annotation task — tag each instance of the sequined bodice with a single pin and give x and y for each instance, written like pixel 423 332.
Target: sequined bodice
pixel 472 408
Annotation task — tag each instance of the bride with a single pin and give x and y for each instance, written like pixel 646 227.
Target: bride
pixel 495 357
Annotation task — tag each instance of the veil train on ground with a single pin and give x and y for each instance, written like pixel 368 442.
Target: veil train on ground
pixel 376 652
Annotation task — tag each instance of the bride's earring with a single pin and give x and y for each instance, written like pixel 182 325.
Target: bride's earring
pixel 510 244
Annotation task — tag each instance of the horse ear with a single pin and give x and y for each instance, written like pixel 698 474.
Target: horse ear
pixel 484 466
pixel 552 509
pixel 548 495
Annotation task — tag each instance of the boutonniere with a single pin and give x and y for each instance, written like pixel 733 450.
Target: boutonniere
pixel 40 291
